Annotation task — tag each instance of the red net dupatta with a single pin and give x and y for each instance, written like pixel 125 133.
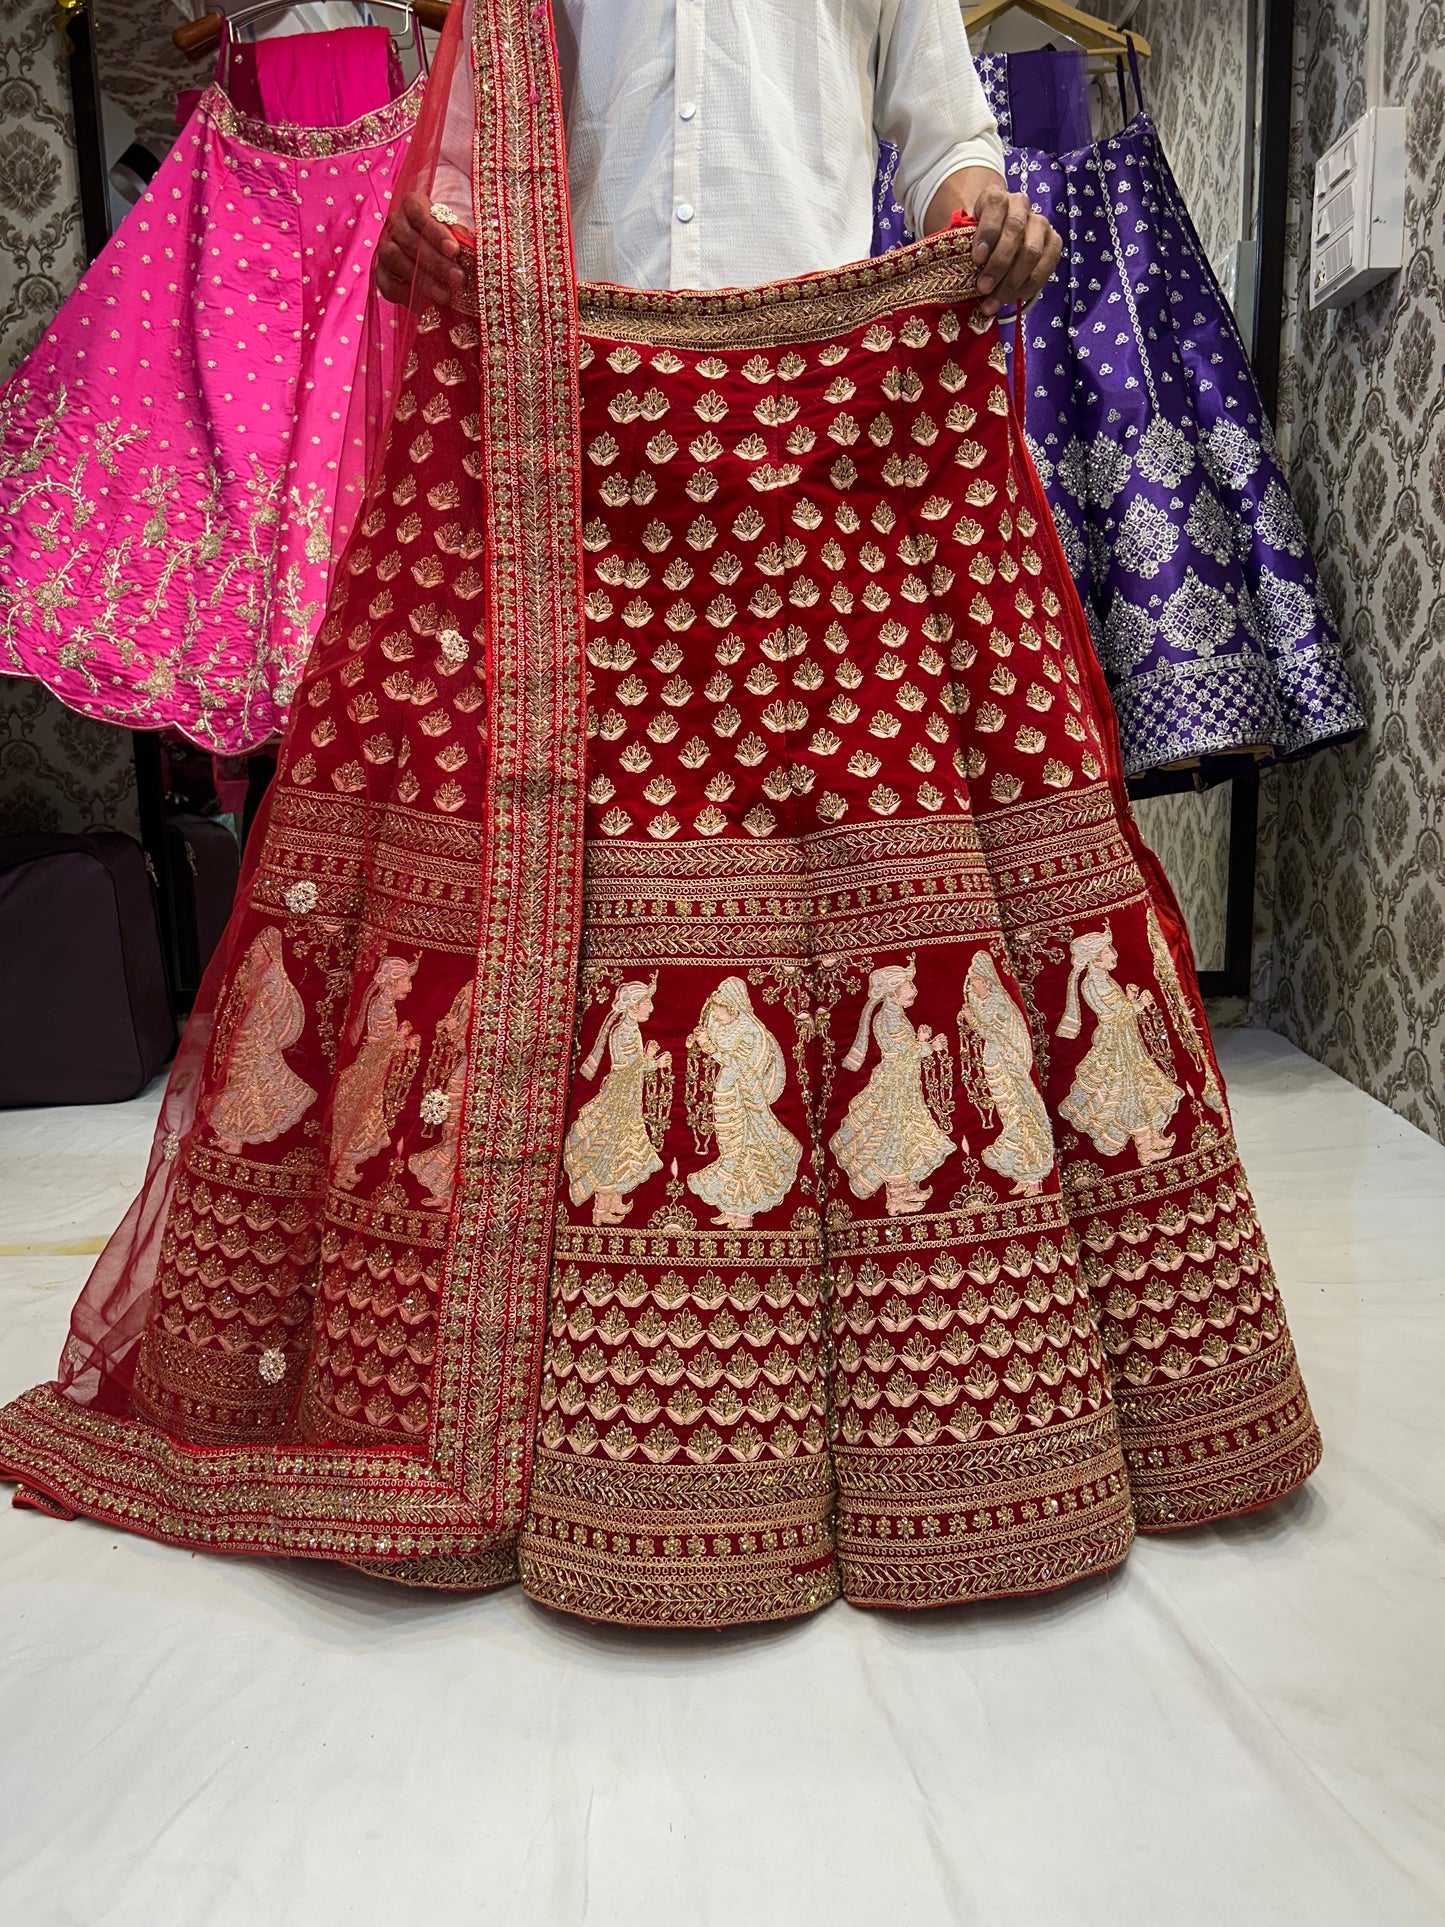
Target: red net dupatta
pixel 401 966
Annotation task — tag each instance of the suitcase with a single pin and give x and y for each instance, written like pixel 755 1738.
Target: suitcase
pixel 87 1019
pixel 205 869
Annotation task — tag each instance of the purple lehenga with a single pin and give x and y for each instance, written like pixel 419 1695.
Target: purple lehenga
pixel 1156 453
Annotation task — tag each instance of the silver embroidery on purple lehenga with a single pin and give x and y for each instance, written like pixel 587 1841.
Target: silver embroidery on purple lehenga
pixel 1153 446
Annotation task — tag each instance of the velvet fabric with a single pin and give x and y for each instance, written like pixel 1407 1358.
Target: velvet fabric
pixel 704 1104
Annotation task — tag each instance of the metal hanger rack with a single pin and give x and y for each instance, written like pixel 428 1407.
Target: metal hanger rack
pixel 1095 36
pixel 197 36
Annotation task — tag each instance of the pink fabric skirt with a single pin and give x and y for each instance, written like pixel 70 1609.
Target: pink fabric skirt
pixel 168 453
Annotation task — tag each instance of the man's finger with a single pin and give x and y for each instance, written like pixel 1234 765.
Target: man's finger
pixel 1034 260
pixel 1022 267
pixel 989 214
pixel 1053 251
pixel 430 232
pixel 1015 225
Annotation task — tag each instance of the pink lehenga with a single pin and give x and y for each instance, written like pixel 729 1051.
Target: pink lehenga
pixel 168 453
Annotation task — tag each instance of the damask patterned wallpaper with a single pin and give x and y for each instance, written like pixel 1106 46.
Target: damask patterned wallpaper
pixel 40 243
pixel 1355 967
pixel 1194 88
pixel 60 771
pixel 140 67
pixel 57 771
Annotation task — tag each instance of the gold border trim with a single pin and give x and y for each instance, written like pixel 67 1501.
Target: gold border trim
pixel 937 272
pixel 374 129
pixel 494 1290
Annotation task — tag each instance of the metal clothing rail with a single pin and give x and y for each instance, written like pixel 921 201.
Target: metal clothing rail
pixel 195 36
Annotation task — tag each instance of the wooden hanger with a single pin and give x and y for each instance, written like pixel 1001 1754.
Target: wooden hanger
pixel 1095 36
pixel 197 35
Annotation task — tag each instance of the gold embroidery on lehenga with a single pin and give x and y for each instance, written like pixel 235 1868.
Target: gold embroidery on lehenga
pixel 372 1089
pixel 1024 1148
pixel 261 1097
pixel 683 1471
pixel 612 1147
pixel 1119 1092
pixel 1183 1016
pixel 441 1105
pixel 893 1137
pixel 740 1074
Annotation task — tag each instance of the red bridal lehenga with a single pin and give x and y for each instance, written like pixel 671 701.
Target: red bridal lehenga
pixel 705 1105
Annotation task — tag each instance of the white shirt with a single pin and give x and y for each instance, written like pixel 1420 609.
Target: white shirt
pixel 721 143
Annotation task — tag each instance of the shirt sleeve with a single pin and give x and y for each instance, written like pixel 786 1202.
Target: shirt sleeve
pixel 928 100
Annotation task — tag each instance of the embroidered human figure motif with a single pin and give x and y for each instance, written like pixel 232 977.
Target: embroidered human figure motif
pixel 261 1097
pixel 1024 1148
pixel 1119 1092
pixel 608 1152
pixel 890 1139
pixel 372 1089
pixel 1184 1019
pixel 757 1157
pixel 441 1105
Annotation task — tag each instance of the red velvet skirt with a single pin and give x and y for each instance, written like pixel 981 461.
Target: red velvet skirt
pixel 878 1227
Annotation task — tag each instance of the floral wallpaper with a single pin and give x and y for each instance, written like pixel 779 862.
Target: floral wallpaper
pixel 140 66
pixel 60 771
pixel 40 242
pixel 57 770
pixel 1198 56
pixel 1354 967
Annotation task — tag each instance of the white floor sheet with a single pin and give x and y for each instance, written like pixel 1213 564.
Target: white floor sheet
pixel 1246 1725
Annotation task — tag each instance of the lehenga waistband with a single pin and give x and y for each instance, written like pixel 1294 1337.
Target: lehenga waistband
pixel 382 124
pixel 939 271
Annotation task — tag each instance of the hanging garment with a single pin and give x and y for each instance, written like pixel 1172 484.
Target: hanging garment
pixel 168 452
pixel 1038 99
pixel 326 79
pixel 705 1103
pixel 1148 431
pixel 890 223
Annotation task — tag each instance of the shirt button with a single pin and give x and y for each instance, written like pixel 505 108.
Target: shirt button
pixel 687 110
pixel 684 210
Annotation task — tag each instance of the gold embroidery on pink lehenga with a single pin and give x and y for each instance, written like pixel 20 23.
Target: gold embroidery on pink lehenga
pixel 261 1097
pixel 1119 1092
pixel 372 1089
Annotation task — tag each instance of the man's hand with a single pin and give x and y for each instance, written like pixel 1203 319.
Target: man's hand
pixel 419 255
pixel 1015 247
